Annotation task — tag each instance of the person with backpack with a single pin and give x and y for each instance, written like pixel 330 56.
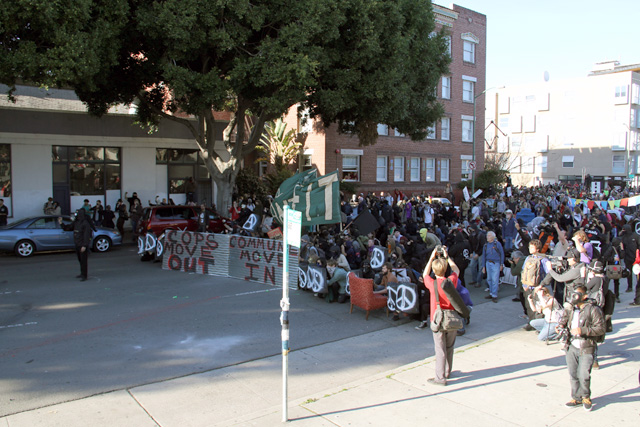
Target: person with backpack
pixel 534 270
pixel 493 263
pixel 585 324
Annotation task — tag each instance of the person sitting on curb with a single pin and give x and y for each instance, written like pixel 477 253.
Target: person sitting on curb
pixel 337 284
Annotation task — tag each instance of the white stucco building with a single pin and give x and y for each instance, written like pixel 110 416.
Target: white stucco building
pixel 559 131
pixel 51 147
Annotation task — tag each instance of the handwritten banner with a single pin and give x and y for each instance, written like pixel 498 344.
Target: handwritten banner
pixel 248 258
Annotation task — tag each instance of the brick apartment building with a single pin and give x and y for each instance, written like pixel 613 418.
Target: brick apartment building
pixel 396 162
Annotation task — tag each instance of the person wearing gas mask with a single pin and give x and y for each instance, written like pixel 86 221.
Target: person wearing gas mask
pixel 82 232
pixel 584 324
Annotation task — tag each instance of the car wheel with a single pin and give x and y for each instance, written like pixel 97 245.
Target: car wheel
pixel 102 244
pixel 25 248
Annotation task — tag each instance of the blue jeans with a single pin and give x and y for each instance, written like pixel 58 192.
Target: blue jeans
pixel 508 243
pixel 475 267
pixel 545 329
pixel 493 277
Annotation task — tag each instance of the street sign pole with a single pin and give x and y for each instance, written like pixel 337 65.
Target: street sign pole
pixel 290 236
pixel 284 316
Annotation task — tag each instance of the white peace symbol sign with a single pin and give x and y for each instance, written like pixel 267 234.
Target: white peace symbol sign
pixel 302 278
pixel 316 280
pixel 377 258
pixel 638 227
pixel 405 298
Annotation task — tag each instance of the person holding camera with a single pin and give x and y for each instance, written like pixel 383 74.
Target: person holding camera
pixel 572 277
pixel 449 299
pixel 584 322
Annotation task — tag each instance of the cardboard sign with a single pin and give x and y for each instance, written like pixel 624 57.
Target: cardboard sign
pixel 276 233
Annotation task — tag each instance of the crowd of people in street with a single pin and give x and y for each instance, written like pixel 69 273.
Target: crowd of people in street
pixel 565 251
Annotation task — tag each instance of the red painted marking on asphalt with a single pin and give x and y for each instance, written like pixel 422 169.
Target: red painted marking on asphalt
pixel 152 313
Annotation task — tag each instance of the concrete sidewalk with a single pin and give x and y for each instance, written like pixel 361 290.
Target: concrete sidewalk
pixel 502 376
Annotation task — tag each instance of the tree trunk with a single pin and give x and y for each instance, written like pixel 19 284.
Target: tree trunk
pixel 225 186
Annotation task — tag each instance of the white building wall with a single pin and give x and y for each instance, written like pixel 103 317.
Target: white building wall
pixel 32 181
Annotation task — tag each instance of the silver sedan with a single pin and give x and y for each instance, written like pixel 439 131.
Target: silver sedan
pixel 44 233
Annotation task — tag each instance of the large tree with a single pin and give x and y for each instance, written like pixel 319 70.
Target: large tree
pixel 351 62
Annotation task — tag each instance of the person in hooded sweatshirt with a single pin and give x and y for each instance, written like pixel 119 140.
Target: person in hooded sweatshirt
pixel 82 231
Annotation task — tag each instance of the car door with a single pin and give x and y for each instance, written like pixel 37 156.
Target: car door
pixel 45 232
pixel 66 237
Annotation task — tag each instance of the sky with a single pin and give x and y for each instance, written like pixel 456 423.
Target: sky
pixel 566 38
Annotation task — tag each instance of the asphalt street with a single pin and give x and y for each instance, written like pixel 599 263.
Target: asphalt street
pixel 132 323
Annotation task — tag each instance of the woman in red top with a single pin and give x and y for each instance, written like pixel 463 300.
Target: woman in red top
pixel 445 340
pixel 234 211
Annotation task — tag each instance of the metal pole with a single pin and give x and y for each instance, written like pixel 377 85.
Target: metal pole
pixel 473 140
pixel 284 316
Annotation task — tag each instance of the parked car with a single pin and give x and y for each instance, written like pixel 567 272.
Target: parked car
pixel 445 202
pixel 158 219
pixel 43 233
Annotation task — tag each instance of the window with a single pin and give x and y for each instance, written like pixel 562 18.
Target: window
pixel 431 132
pixel 516 143
pixel 635 93
pixel 527 164
pixel 619 141
pixel 618 163
pixel 383 129
pixel 445 129
pixel 444 170
pixel 515 165
pixel 542 164
pixel 307 163
pixel 430 168
pixel 469 51
pixel 45 223
pixel 89 171
pixel 399 134
pixel 529 122
pixel 351 168
pixel 467 90
pixel 635 118
pixel 398 169
pixel 381 168
pixel 466 170
pixel 414 167
pixel 567 161
pixel 621 94
pixel 467 131
pixel 448 40
pixel 446 87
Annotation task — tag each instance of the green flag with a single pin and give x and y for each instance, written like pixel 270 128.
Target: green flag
pixel 318 199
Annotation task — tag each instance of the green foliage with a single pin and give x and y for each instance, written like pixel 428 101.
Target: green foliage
pixel 247 182
pixel 275 179
pixel 278 146
pixel 351 62
pixel 348 187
